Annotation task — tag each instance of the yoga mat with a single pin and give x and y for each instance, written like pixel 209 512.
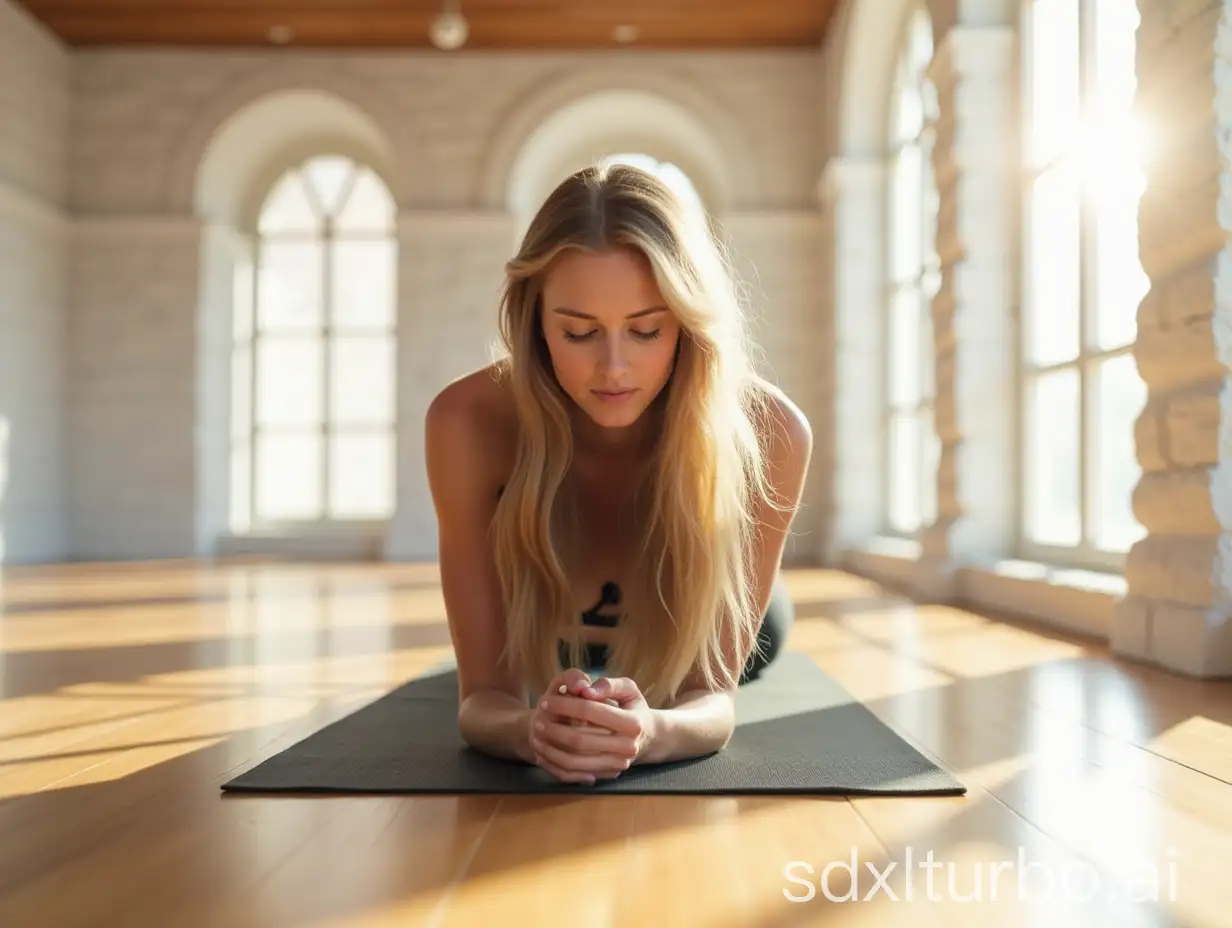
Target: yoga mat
pixel 798 732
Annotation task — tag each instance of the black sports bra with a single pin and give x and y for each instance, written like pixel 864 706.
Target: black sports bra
pixel 609 596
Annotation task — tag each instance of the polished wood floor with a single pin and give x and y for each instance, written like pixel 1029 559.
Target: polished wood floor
pixel 132 691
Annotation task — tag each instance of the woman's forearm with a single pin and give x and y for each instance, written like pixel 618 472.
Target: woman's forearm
pixel 497 724
pixel 699 722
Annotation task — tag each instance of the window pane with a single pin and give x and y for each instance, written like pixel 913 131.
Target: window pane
pixel 328 177
pixel 1053 503
pixel 905 354
pixel 361 477
pixel 1121 283
pixel 369 208
pixel 289 293
pixel 288 209
pixel 288 476
pixel 1054 281
pixel 909 116
pixel 242 297
pixel 241 391
pixel 930 460
pixel 1120 395
pixel 288 382
pixel 363 283
pixel 362 380
pixel 904 461
pixel 1114 175
pixel 1054 87
pixel 1116 26
pixel 241 489
pixel 908 195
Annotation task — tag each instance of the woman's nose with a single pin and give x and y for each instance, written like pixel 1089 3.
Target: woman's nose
pixel 614 353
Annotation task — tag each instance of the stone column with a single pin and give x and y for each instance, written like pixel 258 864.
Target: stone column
pixel 775 254
pixel 1178 608
pixel 974 158
pixel 450 273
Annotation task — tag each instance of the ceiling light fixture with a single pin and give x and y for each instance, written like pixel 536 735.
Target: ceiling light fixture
pixel 449 29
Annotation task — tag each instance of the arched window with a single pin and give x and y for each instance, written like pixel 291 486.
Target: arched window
pixel 1082 281
pixel 314 358
pixel 912 450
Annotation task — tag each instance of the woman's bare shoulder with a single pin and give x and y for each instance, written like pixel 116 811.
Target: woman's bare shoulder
pixel 784 420
pixel 787 438
pixel 474 419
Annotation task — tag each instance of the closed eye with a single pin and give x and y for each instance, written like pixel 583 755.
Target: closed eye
pixel 588 335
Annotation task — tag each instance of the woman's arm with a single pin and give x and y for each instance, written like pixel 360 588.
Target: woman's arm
pixel 463 460
pixel 698 722
pixel 701 720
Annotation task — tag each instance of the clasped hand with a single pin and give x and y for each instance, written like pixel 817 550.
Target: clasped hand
pixel 590 731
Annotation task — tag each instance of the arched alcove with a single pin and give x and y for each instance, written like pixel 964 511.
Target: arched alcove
pixel 257 143
pixel 575 119
pixel 870 55
pixel 255 153
pixel 271 106
pixel 609 123
pixel 856 192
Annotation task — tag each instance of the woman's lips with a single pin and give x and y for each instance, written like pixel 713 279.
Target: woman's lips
pixel 613 396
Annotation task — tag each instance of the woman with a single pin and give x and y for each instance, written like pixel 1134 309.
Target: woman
pixel 613 497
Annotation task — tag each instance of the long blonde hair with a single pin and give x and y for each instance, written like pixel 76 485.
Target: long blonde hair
pixel 694 598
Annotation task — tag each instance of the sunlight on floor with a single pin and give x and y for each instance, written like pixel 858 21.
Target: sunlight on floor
pixel 93 732
pixel 259 617
pixel 1198 736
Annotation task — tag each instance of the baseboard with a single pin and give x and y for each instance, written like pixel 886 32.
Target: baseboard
pixel 315 547
pixel 1073 601
pixel 1076 601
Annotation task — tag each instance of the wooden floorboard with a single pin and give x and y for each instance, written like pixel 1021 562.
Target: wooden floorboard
pixel 130 692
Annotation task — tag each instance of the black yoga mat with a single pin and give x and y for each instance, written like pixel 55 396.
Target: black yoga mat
pixel 798 732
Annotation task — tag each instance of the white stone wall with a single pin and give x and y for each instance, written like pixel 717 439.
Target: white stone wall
pixel 1173 604
pixel 131 371
pixel 147 429
pixel 34 114
pixel 1178 611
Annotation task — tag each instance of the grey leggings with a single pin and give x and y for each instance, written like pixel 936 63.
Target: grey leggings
pixel 780 617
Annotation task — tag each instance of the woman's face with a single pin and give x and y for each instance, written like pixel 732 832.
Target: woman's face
pixel 610 335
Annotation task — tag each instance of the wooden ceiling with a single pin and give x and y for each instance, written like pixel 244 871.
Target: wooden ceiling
pixel 494 24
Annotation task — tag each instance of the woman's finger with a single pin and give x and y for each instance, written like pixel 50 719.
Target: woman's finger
pixel 573 681
pixel 582 740
pixel 617 720
pixel 562 775
pixel 594 764
pixel 620 690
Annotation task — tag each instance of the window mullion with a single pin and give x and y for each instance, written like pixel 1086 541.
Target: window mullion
pixel 254 343
pixel 1087 451
pixel 327 372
